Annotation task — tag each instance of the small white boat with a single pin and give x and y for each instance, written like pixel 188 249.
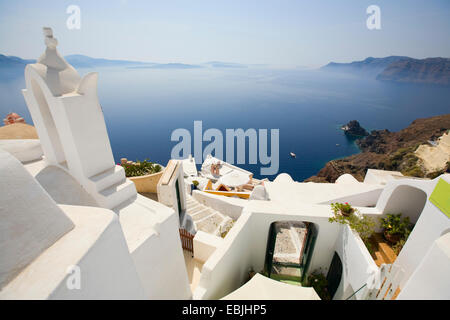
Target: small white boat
pixel 292 154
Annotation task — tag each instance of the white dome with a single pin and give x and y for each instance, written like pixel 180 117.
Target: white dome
pixel 346 178
pixel 283 177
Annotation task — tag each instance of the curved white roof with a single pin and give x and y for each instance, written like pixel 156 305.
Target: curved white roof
pixel 262 288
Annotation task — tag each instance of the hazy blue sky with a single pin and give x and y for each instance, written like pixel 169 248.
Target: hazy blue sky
pixel 280 32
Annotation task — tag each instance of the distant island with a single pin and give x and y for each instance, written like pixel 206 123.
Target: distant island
pixel 82 61
pixel 12 61
pixel 368 67
pixel 220 64
pixel 392 68
pixel 167 66
pixel 76 60
pixel 398 69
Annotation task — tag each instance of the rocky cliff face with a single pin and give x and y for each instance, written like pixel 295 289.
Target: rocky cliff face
pixel 368 67
pixel 431 70
pixel 398 69
pixel 387 150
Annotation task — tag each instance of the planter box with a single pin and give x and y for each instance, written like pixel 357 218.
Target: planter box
pixel 148 182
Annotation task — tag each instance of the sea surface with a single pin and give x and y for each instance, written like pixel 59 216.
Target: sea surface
pixel 143 106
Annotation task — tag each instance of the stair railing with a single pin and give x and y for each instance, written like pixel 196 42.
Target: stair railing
pixel 390 276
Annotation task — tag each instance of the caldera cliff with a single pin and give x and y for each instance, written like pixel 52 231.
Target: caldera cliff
pixel 386 150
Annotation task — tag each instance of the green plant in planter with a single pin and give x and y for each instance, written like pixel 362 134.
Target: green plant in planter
pixel 140 168
pixel 396 228
pixel 319 282
pixel 343 208
pixel 363 225
pixel 398 246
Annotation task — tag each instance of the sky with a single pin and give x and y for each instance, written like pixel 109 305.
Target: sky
pixel 277 32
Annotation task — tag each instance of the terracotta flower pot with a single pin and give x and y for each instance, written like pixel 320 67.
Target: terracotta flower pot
pixel 392 238
pixel 148 182
pixel 347 214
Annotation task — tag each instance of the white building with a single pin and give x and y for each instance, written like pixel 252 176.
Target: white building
pixel 417 273
pixel 73 227
pixel 71 216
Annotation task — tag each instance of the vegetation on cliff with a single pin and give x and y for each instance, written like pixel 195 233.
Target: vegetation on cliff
pixel 386 150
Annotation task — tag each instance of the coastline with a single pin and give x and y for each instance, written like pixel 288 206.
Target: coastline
pixel 387 150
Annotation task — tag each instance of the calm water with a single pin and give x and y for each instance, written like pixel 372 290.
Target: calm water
pixel 143 106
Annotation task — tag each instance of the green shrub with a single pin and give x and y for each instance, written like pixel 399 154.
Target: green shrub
pixel 140 168
pixel 363 225
pixel 435 174
pixel 394 224
pixel 345 207
pixel 415 171
pixel 319 282
pixel 399 245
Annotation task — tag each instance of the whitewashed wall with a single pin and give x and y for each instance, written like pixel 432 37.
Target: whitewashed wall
pixel 356 261
pixel 160 263
pixel 227 206
pixel 429 227
pixel 205 244
pixel 365 199
pixel 228 267
pixel 431 279
pixel 407 200
pixel 244 248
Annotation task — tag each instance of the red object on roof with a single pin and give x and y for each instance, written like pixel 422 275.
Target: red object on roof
pixel 13 118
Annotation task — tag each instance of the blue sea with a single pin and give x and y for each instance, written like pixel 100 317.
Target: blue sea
pixel 143 106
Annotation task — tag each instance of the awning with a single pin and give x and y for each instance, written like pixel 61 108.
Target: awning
pixel 234 179
pixel 262 288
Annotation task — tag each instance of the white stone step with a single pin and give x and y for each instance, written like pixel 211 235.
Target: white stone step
pixel 195 207
pixel 116 194
pixel 190 204
pixel 193 211
pixel 209 224
pixel 202 214
pixel 205 218
pixel 190 200
pixel 108 177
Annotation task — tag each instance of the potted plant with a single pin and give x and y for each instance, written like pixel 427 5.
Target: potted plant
pixel 343 208
pixel 345 214
pixel 399 245
pixel 395 227
pixel 144 174
pixel 319 282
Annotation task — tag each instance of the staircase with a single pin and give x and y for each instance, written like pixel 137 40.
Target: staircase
pixel 390 277
pixel 111 188
pixel 382 251
pixel 207 219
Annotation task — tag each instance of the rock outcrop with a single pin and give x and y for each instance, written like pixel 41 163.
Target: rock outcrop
pixel 353 128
